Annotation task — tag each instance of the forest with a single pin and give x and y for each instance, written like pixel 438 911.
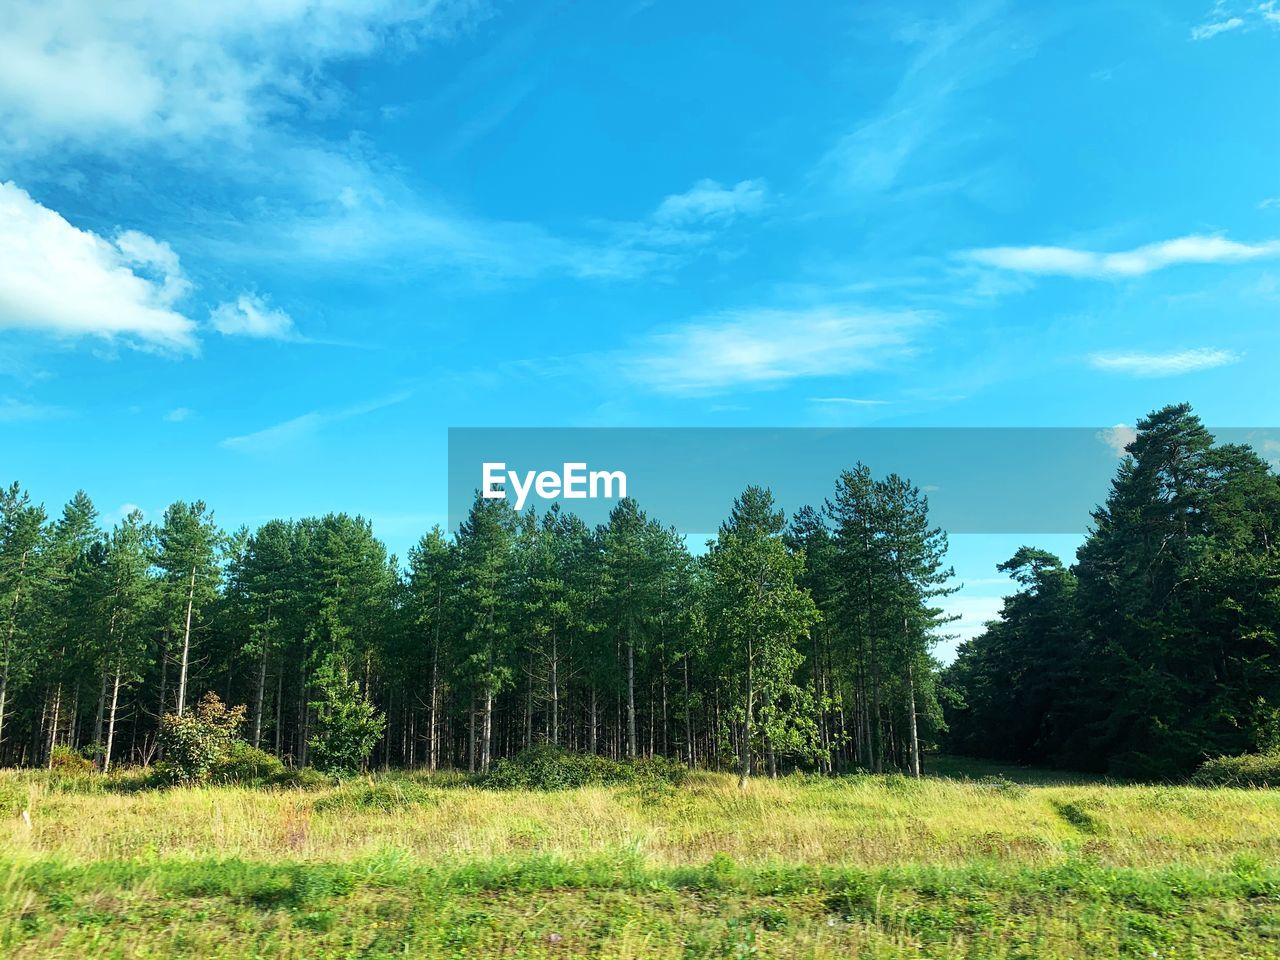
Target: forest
pixel 1158 647
pixel 787 644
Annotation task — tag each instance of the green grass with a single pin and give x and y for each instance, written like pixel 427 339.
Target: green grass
pixel 976 864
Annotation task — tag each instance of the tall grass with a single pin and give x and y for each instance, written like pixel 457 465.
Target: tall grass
pixel 802 866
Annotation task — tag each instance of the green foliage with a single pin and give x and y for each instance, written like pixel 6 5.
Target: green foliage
pixel 65 760
pixel 386 796
pixel 347 724
pixel 1159 646
pixel 1246 770
pixel 197 743
pixel 550 768
pixel 247 765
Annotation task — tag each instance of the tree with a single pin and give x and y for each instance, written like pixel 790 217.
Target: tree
pixel 347 724
pixel 188 544
pixel 762 615
pixel 484 543
pixel 21 535
pixel 128 600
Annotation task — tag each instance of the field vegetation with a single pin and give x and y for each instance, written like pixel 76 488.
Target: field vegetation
pixel 974 861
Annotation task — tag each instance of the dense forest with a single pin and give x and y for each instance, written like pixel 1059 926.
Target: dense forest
pixel 801 644
pixel 1158 647
pixel 782 645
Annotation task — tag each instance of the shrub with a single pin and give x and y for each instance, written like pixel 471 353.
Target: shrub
pixel 1246 770
pixel 386 796
pixel 66 760
pixel 195 744
pixel 347 724
pixel 245 764
pixel 550 768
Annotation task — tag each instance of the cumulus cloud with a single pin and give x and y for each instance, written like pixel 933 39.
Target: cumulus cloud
pixel 1070 262
pixel 251 316
pixel 84 71
pixel 761 348
pixel 59 279
pixel 1163 364
pixel 1118 438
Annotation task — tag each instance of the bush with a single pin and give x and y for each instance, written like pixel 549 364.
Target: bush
pixel 247 765
pixel 195 744
pixel 66 760
pixel 386 796
pixel 1246 770
pixel 550 768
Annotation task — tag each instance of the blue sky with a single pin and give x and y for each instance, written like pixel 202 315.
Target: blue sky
pixel 267 253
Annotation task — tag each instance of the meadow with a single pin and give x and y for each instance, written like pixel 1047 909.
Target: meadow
pixel 968 862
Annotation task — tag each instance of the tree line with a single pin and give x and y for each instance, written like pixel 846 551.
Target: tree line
pixel 1158 648
pixel 782 645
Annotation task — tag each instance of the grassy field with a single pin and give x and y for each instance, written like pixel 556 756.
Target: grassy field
pixel 1025 865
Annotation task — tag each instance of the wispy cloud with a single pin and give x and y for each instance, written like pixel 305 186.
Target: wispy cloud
pixel 1071 262
pixel 13 410
pixel 848 401
pixel 252 316
pixel 61 280
pixel 762 348
pixel 1210 29
pixel 307 425
pixel 707 200
pixel 177 414
pixel 1163 364
pixel 920 134
pixel 1226 16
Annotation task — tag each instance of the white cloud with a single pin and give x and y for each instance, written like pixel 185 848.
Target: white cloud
pixel 1163 364
pixel 251 316
pixel 761 348
pixel 1226 16
pixel 1118 437
pixel 108 74
pixel 177 415
pixel 708 200
pixel 1207 31
pixel 307 425
pixel 58 279
pixel 1269 203
pixel 848 401
pixel 1066 261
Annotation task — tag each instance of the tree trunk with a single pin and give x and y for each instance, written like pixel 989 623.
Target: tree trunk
pixel 744 745
pixel 914 744
pixel 97 719
pixel 260 696
pixel 111 722
pixel 471 739
pixel 555 691
pixel 53 726
pixel 631 697
pixel 688 719
pixel 591 723
pixel 186 644
pixel 486 732
pixel 435 686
